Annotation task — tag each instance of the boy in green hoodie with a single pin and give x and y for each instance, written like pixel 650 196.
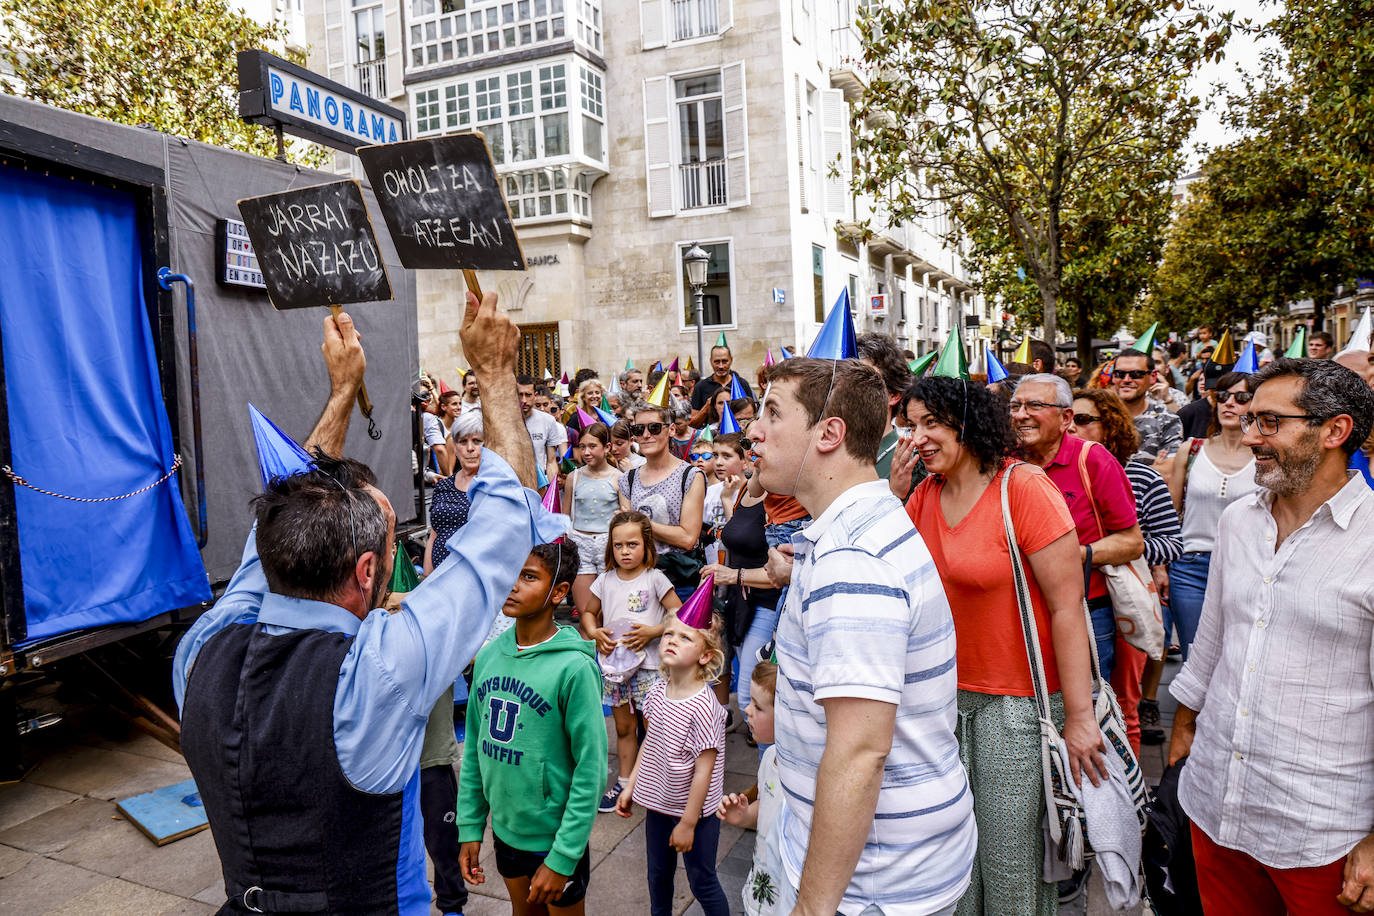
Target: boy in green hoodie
pixel 535 754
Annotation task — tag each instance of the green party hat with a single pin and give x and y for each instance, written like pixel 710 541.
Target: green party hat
pixel 720 340
pixel 1146 340
pixel 629 365
pixel 403 578
pixel 918 367
pixel 952 363
pixel 1298 348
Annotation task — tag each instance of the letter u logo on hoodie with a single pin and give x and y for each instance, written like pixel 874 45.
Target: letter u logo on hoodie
pixel 501 722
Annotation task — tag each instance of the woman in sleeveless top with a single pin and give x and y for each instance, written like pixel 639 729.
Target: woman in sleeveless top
pixel 1208 475
pixel 449 506
pixel 590 495
pixel 668 490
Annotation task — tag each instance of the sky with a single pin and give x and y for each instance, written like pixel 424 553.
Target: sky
pixel 1242 53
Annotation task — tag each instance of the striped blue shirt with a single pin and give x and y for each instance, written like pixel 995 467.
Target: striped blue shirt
pixel 866 617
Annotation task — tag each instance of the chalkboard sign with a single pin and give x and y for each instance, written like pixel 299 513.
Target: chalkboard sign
pixel 443 204
pixel 315 246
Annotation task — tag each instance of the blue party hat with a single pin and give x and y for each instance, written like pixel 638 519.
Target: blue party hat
pixel 1248 361
pixel 728 423
pixel 996 371
pixel 278 453
pixel 737 389
pixel 786 353
pixel 606 416
pixel 836 339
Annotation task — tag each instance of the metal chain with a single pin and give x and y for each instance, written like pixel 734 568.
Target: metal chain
pixel 9 472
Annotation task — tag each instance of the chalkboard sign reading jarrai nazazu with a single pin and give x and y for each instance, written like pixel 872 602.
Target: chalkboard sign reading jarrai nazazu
pixel 315 246
pixel 443 204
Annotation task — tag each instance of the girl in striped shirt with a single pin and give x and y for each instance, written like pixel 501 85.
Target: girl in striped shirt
pixel 680 772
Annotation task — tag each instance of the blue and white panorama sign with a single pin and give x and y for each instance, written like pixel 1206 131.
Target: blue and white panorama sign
pixel 275 91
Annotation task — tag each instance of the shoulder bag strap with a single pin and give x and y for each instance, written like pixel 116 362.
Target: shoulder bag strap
pixel 1088 486
pixel 1194 447
pixel 1023 602
pixel 572 496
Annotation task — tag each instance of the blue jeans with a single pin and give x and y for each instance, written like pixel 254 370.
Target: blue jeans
pixel 760 632
pixel 700 861
pixel 1104 634
pixel 1187 587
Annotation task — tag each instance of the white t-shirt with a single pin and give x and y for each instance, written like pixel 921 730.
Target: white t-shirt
pixel 761 887
pixel 625 603
pixel 464 406
pixel 544 431
pixel 713 513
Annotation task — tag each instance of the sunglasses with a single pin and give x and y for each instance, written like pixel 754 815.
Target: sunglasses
pixel 1083 419
pixel 1130 373
pixel 637 429
pixel 1242 397
pixel 701 456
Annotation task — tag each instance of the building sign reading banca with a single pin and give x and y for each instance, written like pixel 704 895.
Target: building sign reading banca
pixel 275 92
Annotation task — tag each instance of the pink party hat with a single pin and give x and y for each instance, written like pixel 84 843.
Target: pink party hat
pixel 672 367
pixel 768 357
pixel 552 501
pixel 696 610
pixel 585 418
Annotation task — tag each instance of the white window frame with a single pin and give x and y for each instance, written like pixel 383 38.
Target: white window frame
pixel 517 29
pixel 681 247
pixel 675 124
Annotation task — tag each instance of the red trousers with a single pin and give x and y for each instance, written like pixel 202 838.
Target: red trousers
pixel 1232 883
pixel 1127 671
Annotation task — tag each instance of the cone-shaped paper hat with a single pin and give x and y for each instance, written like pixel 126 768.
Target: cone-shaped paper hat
pixel 585 418
pixel 1298 348
pixel 767 358
pixel 659 396
pixel 1023 353
pixel 720 340
pixel 403 578
pixel 673 366
pixel 605 414
pixel 786 353
pixel 696 610
pixel 689 367
pixel 918 367
pixel 629 364
pixel 836 339
pixel 541 477
pixel 1360 338
pixel 564 379
pixel 952 363
pixel 996 371
pixel 1145 341
pixel 462 373
pixel 547 373
pixel 1247 361
pixel 552 501
pixel 728 423
pixel 737 388
pixel 605 404
pixel 278 453
pixel 615 385
pixel 1225 352
pixel 443 388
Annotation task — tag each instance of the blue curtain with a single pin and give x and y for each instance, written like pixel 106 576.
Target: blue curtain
pixel 85 412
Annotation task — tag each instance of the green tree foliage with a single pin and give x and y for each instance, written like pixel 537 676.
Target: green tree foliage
pixel 1051 127
pixel 169 64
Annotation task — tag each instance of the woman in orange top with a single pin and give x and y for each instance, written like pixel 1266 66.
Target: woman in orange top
pixel 963 434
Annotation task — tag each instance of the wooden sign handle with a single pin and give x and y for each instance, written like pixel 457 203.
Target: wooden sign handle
pixel 364 402
pixel 470 278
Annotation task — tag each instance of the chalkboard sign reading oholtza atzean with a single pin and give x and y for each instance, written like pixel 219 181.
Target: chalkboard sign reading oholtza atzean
pixel 315 246
pixel 443 204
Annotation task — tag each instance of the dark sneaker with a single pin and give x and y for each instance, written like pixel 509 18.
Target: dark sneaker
pixel 610 798
pixel 1152 736
pixel 1149 711
pixel 1070 889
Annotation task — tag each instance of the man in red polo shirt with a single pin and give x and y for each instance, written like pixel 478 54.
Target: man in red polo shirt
pixel 1093 483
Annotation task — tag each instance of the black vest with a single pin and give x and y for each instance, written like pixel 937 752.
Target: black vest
pixel 258 734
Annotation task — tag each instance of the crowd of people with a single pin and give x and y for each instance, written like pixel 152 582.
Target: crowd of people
pixel 894 586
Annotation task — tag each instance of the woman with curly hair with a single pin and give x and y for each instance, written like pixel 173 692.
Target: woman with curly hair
pixel 963 434
pixel 1100 415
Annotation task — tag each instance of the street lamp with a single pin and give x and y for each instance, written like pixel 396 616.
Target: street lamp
pixel 695 261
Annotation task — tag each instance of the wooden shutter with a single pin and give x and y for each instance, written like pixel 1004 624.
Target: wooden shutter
pixel 334 43
pixel 836 167
pixel 736 135
pixel 652 25
pixel 658 146
pixel 724 15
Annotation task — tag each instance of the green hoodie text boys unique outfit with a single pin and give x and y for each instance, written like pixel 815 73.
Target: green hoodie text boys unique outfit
pixel 535 753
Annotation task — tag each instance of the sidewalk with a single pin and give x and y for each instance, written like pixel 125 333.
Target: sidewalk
pixel 64 849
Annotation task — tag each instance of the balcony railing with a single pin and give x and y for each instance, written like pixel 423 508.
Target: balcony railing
pixel 703 184
pixel 694 18
pixel 372 78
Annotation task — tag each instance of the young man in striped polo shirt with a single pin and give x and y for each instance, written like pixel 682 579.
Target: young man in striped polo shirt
pixel 878 817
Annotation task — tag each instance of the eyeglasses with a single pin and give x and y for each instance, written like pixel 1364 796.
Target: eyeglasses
pixel 637 429
pixel 1032 406
pixel 1083 419
pixel 1268 423
pixel 1130 373
pixel 1242 397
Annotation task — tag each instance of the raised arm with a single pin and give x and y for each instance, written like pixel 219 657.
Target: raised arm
pixel 490 340
pixel 346 362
